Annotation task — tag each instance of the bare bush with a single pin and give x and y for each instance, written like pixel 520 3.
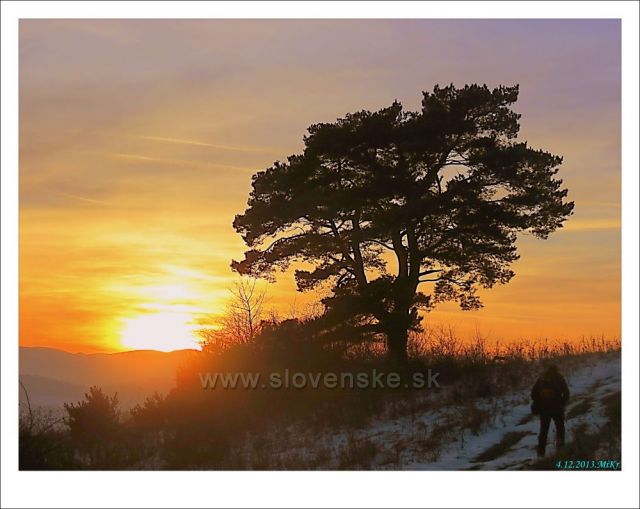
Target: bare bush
pixel 243 318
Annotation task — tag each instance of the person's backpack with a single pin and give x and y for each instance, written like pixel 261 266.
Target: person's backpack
pixel 546 394
pixel 548 391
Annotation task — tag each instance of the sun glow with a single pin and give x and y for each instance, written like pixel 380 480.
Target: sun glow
pixel 170 314
pixel 165 331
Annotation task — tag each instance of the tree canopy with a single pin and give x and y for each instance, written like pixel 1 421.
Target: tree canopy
pixel 399 210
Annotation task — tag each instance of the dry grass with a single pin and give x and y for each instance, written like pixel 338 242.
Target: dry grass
pixel 442 344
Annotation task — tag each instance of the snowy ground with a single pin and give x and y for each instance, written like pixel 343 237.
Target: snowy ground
pixel 496 433
pixel 588 384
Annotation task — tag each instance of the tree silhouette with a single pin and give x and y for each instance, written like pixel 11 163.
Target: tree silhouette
pixel 94 424
pixel 382 203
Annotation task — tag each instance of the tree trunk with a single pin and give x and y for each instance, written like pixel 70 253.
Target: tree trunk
pixel 397 338
pixel 400 319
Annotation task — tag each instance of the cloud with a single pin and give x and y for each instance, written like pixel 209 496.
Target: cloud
pixel 210 145
pixel 87 200
pixel 581 225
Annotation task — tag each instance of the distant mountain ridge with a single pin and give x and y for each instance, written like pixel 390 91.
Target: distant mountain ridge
pixel 48 392
pixel 53 376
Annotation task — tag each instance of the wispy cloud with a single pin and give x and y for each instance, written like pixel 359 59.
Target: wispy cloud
pixel 592 224
pixel 87 200
pixel 601 204
pixel 233 148
pixel 182 162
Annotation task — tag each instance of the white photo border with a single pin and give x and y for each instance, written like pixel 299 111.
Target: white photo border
pixel 319 489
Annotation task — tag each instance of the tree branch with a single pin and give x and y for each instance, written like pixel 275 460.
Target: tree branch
pixel 430 271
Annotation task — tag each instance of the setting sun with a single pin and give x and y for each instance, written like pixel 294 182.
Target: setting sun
pixel 164 331
pixel 169 313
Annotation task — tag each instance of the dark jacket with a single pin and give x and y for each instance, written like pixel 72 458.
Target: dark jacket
pixel 550 393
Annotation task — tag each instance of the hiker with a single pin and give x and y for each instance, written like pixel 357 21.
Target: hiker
pixel 550 395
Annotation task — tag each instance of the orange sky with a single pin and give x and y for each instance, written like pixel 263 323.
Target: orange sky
pixel 138 140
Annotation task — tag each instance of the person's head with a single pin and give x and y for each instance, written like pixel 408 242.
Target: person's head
pixel 550 369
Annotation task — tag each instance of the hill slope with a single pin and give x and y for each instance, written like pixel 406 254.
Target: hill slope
pixel 490 433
